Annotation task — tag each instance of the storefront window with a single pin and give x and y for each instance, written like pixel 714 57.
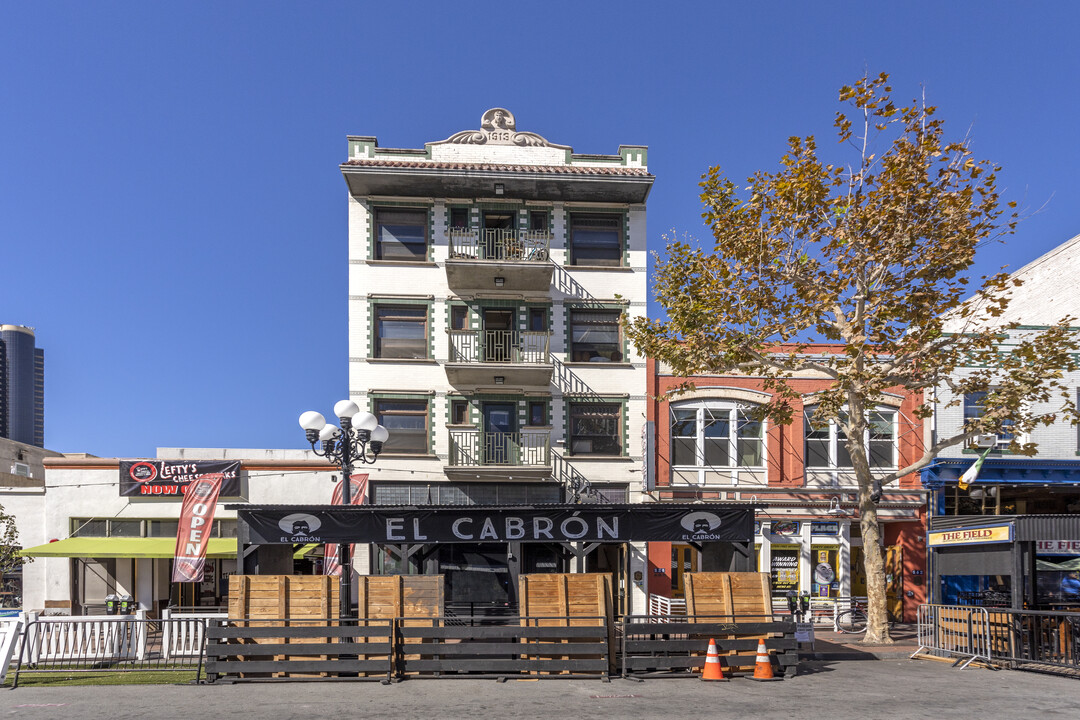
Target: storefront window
pixel 785 569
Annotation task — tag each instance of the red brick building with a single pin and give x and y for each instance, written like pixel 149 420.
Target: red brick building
pixel 708 447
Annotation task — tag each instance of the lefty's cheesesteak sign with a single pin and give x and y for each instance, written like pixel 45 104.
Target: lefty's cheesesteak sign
pixel 164 478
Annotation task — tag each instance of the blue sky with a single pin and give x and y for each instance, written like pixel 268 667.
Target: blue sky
pixel 174 221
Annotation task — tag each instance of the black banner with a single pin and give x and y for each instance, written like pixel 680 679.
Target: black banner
pixel 473 524
pixel 170 478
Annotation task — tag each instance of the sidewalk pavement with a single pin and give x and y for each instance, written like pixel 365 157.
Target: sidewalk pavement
pixel 829 645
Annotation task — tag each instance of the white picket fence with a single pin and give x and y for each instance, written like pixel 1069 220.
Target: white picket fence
pixel 84 638
pixel 660 606
pixel 183 633
pixel 10 634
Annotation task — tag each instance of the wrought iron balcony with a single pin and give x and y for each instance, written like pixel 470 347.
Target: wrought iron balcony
pixel 487 258
pixel 500 245
pixel 477 448
pixel 500 346
pixel 520 358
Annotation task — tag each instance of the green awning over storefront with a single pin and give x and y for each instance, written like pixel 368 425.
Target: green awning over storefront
pixel 303 552
pixel 117 547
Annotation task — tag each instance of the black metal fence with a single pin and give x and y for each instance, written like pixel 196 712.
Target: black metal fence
pixel 451 646
pixel 262 648
pixel 1021 639
pixel 676 646
pixel 540 647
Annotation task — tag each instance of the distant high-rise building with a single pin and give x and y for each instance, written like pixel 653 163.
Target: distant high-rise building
pixel 22 386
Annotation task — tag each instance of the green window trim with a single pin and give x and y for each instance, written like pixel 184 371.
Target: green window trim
pixel 372 210
pixel 375 397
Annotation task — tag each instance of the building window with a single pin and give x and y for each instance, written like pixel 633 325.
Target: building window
pixel 459 317
pixel 595 429
pixel 459 218
pixel 538 319
pixel 975 408
pixel 401 331
pixel 595 336
pixel 826 446
pixel 713 433
pixel 596 239
pixel 538 413
pixel 459 412
pixel 401 235
pixel 407 421
pixel 538 221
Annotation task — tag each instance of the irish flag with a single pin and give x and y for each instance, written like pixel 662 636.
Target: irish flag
pixel 972 472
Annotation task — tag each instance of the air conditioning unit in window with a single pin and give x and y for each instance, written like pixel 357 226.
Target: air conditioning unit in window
pixel 986 441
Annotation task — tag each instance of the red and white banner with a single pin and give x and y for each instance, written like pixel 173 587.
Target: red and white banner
pixel 196 524
pixel 331 563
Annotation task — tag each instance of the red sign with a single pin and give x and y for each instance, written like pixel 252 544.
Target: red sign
pixel 196 523
pixel 331 563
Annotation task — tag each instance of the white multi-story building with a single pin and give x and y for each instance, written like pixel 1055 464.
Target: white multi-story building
pixel 488 274
pixel 1012 537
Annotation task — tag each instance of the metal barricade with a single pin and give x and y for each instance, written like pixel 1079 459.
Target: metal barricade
pixel 960 631
pixel 104 644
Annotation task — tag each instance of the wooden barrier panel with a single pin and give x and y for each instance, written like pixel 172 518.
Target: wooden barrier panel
pixel 739 597
pixel 743 596
pixel 282 597
pixel 567 600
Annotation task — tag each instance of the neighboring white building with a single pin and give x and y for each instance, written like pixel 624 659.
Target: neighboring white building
pixel 1037 497
pixel 487 276
pixel 88 540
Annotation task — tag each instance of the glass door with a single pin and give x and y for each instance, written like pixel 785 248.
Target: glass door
pixel 500 422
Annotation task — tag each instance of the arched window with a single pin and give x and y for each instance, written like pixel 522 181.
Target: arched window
pixel 826 446
pixel 716 434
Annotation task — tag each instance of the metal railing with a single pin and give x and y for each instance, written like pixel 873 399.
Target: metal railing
pixel 123 643
pixel 499 244
pixel 675 646
pixel 500 346
pixel 1027 638
pixel 531 646
pixel 519 449
pixel 958 631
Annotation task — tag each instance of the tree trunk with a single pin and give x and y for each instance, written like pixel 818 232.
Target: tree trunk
pixel 877 621
pixel 877 625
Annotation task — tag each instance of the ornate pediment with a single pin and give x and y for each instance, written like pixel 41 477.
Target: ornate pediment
pixel 498 127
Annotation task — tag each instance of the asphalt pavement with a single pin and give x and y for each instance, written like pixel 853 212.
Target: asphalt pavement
pixel 896 689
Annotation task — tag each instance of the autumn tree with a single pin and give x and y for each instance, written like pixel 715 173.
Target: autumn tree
pixel 874 255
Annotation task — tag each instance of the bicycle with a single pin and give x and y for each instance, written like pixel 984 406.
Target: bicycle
pixel 852 620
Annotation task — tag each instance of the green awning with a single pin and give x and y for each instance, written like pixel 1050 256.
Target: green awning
pixel 302 552
pixel 122 547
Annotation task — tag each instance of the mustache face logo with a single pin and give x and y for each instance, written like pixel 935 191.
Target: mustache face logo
pixel 299 524
pixel 700 522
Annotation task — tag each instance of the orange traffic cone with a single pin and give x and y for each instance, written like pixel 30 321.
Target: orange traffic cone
pixel 763 666
pixel 713 671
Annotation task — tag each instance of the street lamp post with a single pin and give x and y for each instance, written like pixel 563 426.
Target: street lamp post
pixel 359 433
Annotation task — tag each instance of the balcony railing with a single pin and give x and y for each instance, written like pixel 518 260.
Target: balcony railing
pixel 519 449
pixel 498 244
pixel 500 346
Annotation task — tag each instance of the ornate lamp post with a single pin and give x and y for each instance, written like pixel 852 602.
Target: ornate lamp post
pixel 359 433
